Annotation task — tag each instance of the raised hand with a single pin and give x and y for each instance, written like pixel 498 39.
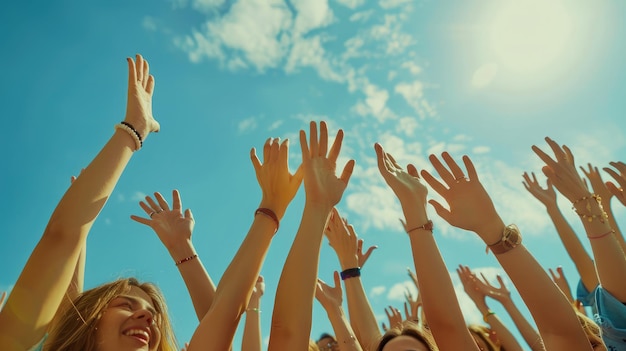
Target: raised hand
pixel 320 182
pixel 471 207
pixel 343 239
pixel 546 196
pixel 172 226
pixel 412 306
pixel 599 188
pixel 499 294
pixel 405 184
pixel 561 171
pixel 394 316
pixel 139 104
pixel 620 178
pixel 329 296
pixel 278 185
pixel 469 281
pixel 259 288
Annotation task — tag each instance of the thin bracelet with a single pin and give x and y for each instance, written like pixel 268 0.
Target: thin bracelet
pixel 269 213
pixel 612 231
pixel 253 309
pixel 186 259
pixel 489 313
pixel 426 226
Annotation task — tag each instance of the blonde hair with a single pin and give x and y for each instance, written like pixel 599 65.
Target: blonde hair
pixel 408 328
pixel 592 330
pixel 483 333
pixel 75 330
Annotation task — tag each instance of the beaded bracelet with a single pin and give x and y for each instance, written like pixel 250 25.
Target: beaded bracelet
pixel 186 259
pixel 128 128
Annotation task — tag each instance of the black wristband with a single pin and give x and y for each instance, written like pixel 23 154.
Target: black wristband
pixel 351 273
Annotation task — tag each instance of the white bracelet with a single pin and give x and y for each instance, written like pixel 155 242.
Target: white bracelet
pixel 132 133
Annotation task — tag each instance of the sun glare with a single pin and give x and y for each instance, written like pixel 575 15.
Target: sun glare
pixel 530 35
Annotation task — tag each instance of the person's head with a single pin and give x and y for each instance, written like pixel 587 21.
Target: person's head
pixel 122 315
pixel 407 336
pixel 485 338
pixel 593 331
pixel 327 342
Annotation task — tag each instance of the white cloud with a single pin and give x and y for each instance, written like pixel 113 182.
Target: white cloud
pixel 375 103
pixel 311 14
pixel 388 4
pixel 407 126
pixel 412 67
pixel 149 23
pixel 275 125
pixel 413 94
pixel 391 36
pixel 206 5
pixel 481 150
pixel 351 3
pixel 138 196
pixel 247 125
pixel 397 291
pixel 309 52
pixel 377 291
pixel 484 75
pixel 361 16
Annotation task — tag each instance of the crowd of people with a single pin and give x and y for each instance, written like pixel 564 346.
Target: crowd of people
pixel 49 309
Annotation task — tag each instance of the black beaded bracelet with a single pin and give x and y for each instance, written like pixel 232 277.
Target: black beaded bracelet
pixel 351 273
pixel 134 131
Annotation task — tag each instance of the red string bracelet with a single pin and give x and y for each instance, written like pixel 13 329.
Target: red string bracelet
pixel 602 235
pixel 269 213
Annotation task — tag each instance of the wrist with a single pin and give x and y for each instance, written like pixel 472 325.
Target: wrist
pixel 181 250
pixel 491 232
pixel 277 209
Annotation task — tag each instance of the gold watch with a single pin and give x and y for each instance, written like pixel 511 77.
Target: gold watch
pixel 511 238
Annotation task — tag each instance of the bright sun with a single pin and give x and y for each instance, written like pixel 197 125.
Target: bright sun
pixel 530 35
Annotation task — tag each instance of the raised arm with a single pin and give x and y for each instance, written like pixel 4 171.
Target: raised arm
pixel 48 272
pixel 471 208
pixel 608 254
pixel 503 296
pixel 330 297
pixel 573 246
pixel 251 340
pixel 620 178
pixel 174 228
pixel 346 245
pixel 440 303
pixel 600 188
pixel 217 328
pixel 478 296
pixel 291 318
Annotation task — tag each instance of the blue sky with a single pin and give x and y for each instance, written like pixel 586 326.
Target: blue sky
pixel 483 78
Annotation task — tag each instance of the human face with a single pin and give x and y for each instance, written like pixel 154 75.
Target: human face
pixel 128 323
pixel 328 344
pixel 405 343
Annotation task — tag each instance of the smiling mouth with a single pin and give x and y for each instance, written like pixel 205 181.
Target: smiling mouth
pixel 139 334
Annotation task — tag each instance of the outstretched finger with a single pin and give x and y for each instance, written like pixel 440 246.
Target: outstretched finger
pixel 434 183
pixel 306 154
pixel 132 73
pixel 443 172
pixel 347 172
pixel 323 143
pixel 162 202
pixel 178 203
pixel 471 170
pixel 336 147
pixel 457 172
pixel 256 163
pixel 139 67
pixel 141 220
pixel 266 150
pixel 441 211
pixel 313 141
pixel 189 215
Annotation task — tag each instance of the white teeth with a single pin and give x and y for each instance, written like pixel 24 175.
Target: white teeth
pixel 132 332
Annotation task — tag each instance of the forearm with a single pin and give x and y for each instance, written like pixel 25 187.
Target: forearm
pixel 441 306
pixel 251 340
pixel 217 328
pixel 507 340
pixel 343 332
pixel 42 284
pixel 362 318
pixel 609 257
pixel 527 331
pixel 197 280
pixel 291 318
pixel 618 233
pixel 575 250
pixel 555 317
